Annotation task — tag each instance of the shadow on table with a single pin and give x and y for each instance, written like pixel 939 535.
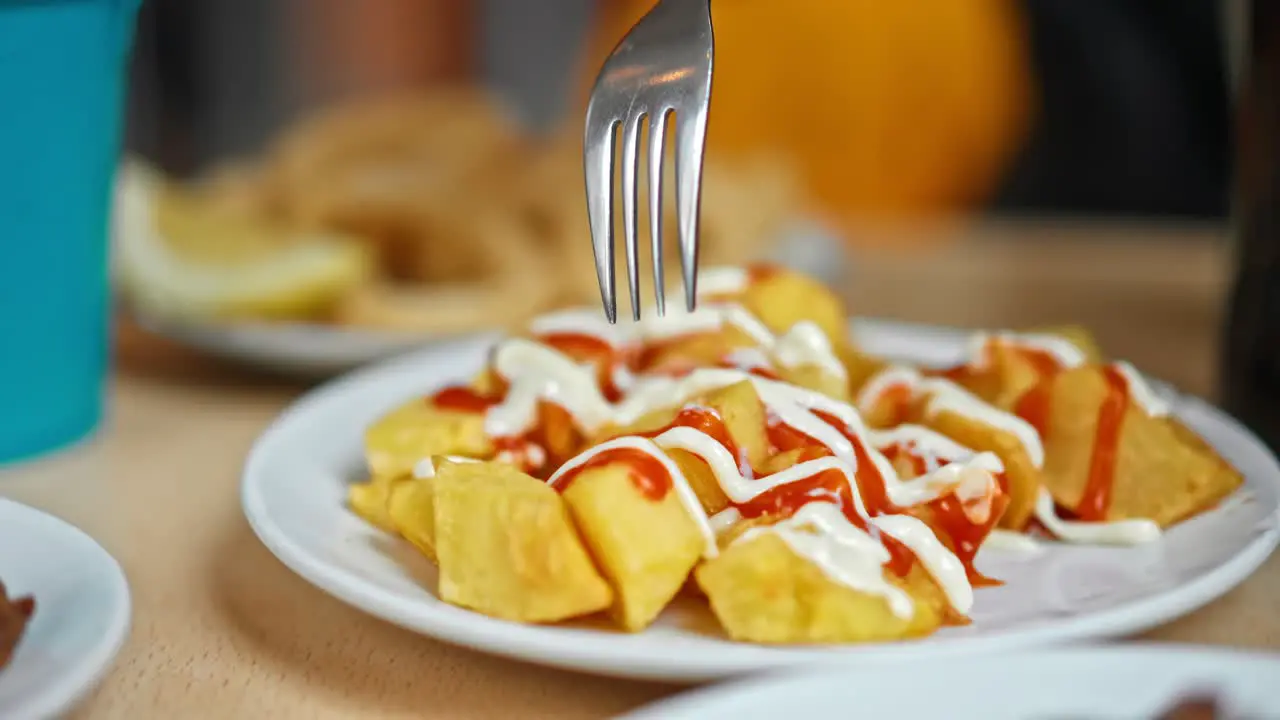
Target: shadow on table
pixel 142 354
pixel 322 646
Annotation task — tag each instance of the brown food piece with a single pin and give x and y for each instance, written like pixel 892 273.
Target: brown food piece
pixel 1196 708
pixel 14 615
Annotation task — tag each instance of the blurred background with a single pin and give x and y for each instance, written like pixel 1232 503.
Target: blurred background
pixel 425 157
pixel 1004 105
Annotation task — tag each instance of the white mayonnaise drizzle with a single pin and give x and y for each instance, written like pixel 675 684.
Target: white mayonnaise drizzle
pixel 538 372
pixel 935 448
pixel 579 321
pixel 1061 349
pixel 946 396
pixel 425 468
pixel 678 321
pixel 806 344
pixel 942 564
pixel 1140 393
pixel 725 280
pixel 1012 542
pixel 748 359
pixel 1116 532
pixel 832 554
pixel 882 382
pixel 820 533
pixel 684 491
pixel 724 520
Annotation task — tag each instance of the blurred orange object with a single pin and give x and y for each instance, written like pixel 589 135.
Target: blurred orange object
pixel 890 109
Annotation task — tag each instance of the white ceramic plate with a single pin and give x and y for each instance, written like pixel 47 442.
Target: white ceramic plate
pixel 1098 683
pixel 294 497
pixel 82 612
pixel 316 351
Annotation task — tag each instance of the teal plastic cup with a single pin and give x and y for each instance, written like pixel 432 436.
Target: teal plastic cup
pixel 63 69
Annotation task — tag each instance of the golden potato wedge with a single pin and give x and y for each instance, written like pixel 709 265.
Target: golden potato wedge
pixel 781 298
pixel 859 366
pixel 645 547
pixel 507 547
pixel 1077 335
pixel 369 499
pixel 1162 471
pixel 744 418
pixel 411 509
pixel 701 480
pixel 411 505
pixel 762 591
pixel 1008 374
pixel 1022 478
pixel 813 377
pixel 698 350
pixel 646 424
pixel 398 440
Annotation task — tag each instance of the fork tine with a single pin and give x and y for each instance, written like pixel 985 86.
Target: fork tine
pixel 691 132
pixel 657 133
pixel 630 163
pixel 597 160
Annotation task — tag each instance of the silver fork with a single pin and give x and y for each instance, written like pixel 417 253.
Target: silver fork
pixel 662 66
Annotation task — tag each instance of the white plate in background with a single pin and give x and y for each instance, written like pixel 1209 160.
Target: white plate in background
pixel 311 351
pixel 294 489
pixel 1127 682
pixel 82 612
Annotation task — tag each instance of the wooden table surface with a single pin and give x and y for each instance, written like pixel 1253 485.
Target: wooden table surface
pixel 221 629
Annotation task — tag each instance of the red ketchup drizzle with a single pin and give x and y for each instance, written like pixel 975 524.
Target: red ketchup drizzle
pixel 1043 362
pixel 782 437
pixel 827 486
pixel 945 514
pixel 588 348
pixel 462 399
pixel 759 272
pixel 1096 499
pixel 759 371
pixel 899 398
pixel 1034 406
pixel 647 472
pixel 704 420
pixel 785 500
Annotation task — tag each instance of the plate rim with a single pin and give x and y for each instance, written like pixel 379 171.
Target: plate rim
pixel 529 643
pixel 71 688
pixel 697 700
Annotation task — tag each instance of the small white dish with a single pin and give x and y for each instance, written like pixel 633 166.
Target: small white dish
pixel 1126 682
pixel 294 487
pixel 312 351
pixel 82 612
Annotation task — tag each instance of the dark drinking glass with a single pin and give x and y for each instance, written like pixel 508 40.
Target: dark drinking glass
pixel 1251 361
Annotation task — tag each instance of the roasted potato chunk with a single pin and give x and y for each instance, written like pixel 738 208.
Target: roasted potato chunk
pixel 1022 478
pixel 782 298
pixel 762 591
pixel 1076 335
pixel 412 513
pixel 414 430
pixel 701 479
pixel 815 378
pixel 697 350
pixel 744 418
pixel 369 499
pixel 859 366
pixel 1162 471
pixel 645 547
pixel 507 547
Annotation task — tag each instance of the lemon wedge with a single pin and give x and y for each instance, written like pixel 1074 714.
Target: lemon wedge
pixel 178 256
